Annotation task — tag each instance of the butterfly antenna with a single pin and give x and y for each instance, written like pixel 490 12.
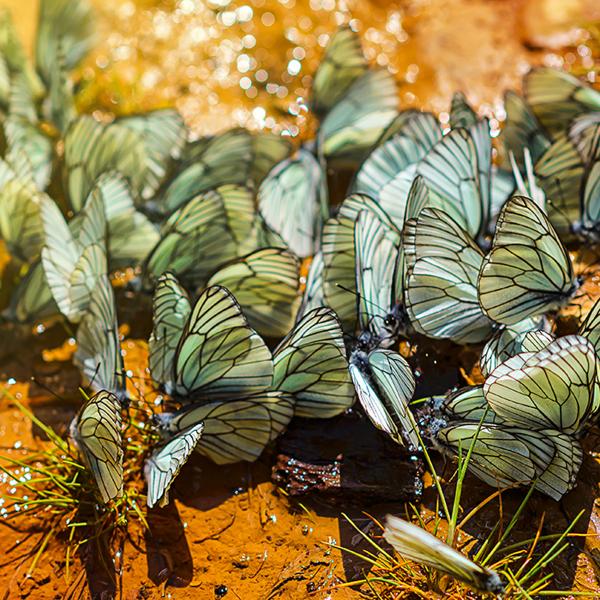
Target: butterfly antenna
pixel 355 293
pixel 87 391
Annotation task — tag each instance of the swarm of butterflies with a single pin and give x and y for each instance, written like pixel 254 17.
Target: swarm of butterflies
pixel 440 235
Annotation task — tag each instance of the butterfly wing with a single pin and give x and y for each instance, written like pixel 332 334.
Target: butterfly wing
pixel 508 341
pixel 98 355
pixel 441 282
pixel 163 466
pixel 313 291
pixel 554 388
pixel 310 365
pixel 219 354
pixel 527 271
pixel 234 430
pixel 74 255
pixel 355 123
pixel 557 97
pixel 451 171
pixel 130 234
pixel 171 309
pixel 376 248
pixel 341 65
pixel 522 130
pixel 205 234
pixel 266 285
pixel 293 202
pixel 418 545
pixel 96 431
pixel 384 384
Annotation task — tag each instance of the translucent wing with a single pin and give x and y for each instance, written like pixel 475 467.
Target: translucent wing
pixel 418 545
pixel 234 430
pixel 387 173
pixel 559 172
pixel 338 247
pixel 341 65
pixel 355 123
pixel 498 457
pixel 266 284
pixel 96 431
pixel 171 309
pixel 268 149
pixel 206 233
pixel 554 388
pixel 461 112
pixel 21 226
pixel 451 171
pixel 522 130
pixel 590 190
pixel 92 149
pixel 441 282
pixel 219 353
pixel 74 263
pixel 293 202
pixel 224 159
pixel 130 234
pixel 469 404
pixel 528 271
pixel 163 466
pixel 313 290
pixel 164 134
pixel 25 136
pixel 582 132
pixel 590 328
pixel 508 341
pixel 310 365
pixel 98 355
pixel 557 97
pixel 376 248
pixel 384 385
pixel 32 298
pixel 69 23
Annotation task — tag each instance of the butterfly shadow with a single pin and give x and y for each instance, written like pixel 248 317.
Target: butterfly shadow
pixel 168 554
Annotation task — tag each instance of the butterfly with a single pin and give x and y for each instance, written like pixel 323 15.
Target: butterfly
pixel 416 544
pixel 505 456
pixel 292 200
pixel 527 271
pixel 344 262
pixel 65 23
pixel 554 387
pixel 442 270
pixel 209 358
pixel 522 131
pixel 139 147
pixel 358 118
pixel 96 431
pixel 457 172
pixel 557 97
pixel 98 354
pixel 212 229
pixel 74 255
pixel 266 285
pixel 310 364
pixel 387 173
pixel 233 157
pixel 342 64
pixel 163 466
pixel 384 384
